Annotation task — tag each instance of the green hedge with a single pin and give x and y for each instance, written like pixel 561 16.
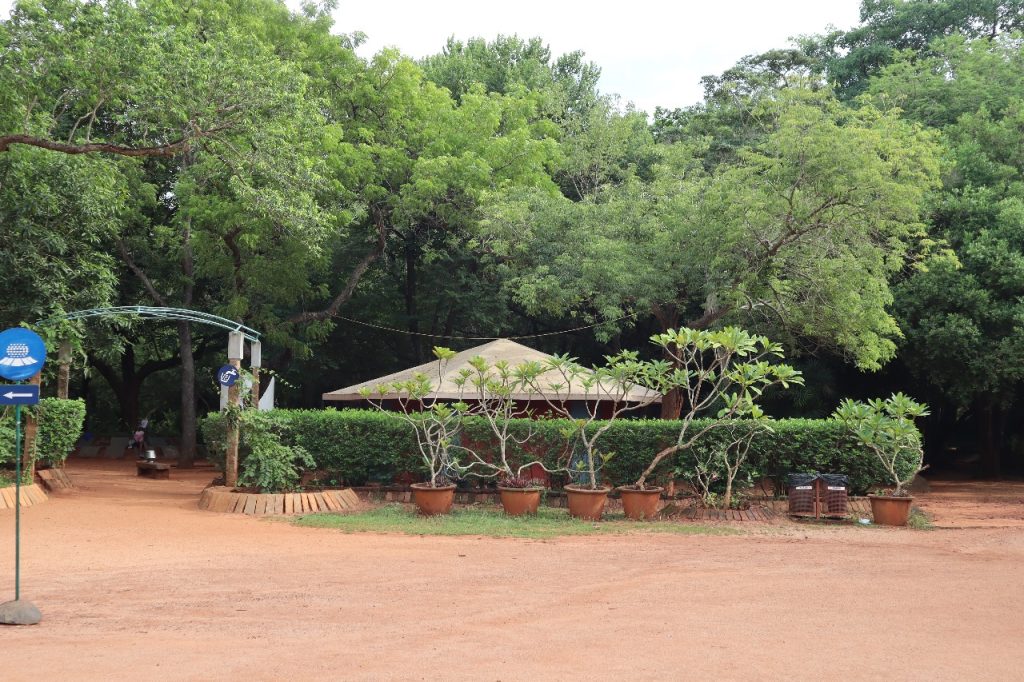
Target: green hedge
pixel 356 446
pixel 360 446
pixel 60 427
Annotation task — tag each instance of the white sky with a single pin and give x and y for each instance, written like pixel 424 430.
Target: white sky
pixel 653 52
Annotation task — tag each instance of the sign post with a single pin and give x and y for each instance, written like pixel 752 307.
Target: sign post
pixel 22 354
pixel 231 372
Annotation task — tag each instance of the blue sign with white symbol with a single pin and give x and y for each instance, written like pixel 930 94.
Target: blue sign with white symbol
pixel 227 375
pixel 22 354
pixel 21 394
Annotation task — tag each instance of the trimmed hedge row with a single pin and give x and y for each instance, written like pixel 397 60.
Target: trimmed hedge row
pixel 60 427
pixel 360 446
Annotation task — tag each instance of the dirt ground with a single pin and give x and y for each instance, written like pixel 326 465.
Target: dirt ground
pixel 136 583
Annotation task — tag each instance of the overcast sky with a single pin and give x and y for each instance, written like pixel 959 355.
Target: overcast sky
pixel 650 52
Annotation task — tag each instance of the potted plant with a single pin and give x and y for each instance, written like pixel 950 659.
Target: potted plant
pixel 887 428
pixel 726 369
pixel 435 424
pixel 495 393
pixel 622 385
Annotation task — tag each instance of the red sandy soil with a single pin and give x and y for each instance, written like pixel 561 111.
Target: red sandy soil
pixel 136 583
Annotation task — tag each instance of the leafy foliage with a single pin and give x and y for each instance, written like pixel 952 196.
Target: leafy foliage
pixel 887 428
pixel 269 465
pixel 60 427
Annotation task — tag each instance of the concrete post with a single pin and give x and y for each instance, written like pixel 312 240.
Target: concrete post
pixel 235 341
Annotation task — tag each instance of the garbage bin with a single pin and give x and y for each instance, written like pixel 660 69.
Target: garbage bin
pixel 836 488
pixel 801 493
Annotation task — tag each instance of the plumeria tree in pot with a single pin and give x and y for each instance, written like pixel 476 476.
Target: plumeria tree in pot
pixel 499 394
pixel 436 425
pixel 886 427
pixel 622 385
pixel 720 373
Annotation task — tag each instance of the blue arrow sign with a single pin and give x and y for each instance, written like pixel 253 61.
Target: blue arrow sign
pixel 22 354
pixel 23 394
pixel 227 375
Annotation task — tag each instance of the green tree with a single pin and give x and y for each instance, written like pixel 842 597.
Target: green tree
pixel 418 164
pixel 851 57
pixel 217 114
pixel 962 325
pixel 799 236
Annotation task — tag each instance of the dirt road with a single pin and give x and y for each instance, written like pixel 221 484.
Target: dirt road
pixel 135 583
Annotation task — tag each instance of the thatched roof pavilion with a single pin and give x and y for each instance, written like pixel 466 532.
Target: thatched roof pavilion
pixel 501 349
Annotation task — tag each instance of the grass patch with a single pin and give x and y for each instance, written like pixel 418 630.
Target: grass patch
pixel 492 522
pixel 919 520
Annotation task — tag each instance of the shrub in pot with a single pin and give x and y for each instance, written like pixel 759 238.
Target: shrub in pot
pixel 435 424
pixel 886 427
pixel 612 388
pixel 723 372
pixel 491 392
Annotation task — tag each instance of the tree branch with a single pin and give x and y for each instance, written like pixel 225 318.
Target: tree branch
pixel 140 273
pixel 173 148
pixel 350 286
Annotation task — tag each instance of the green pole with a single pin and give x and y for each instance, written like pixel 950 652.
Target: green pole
pixel 17 502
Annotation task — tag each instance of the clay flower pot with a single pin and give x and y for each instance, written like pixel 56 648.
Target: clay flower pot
pixel 640 504
pixel 433 501
pixel 585 503
pixel 520 501
pixel 890 511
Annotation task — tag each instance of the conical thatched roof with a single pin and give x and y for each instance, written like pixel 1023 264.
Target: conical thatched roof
pixel 502 349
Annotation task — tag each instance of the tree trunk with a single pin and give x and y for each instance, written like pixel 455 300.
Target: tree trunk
pixel 63 369
pixel 128 389
pixel 411 313
pixel 672 404
pixel 31 428
pixel 187 446
pixel 989 445
pixel 668 318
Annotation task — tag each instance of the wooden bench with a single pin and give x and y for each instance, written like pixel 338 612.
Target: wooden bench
pixel 153 469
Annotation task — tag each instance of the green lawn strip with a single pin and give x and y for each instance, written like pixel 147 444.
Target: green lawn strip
pixel 491 522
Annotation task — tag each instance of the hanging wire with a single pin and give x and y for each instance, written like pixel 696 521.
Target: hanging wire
pixel 483 338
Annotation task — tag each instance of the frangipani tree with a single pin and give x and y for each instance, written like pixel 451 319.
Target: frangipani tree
pixel 612 385
pixel 434 422
pixel 495 391
pixel 887 428
pixel 728 369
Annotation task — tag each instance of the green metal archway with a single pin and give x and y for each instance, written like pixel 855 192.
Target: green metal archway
pixel 239 334
pixel 153 313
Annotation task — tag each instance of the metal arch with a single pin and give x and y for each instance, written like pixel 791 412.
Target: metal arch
pixel 150 312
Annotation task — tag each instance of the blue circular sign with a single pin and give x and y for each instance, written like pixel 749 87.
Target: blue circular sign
pixel 22 354
pixel 227 375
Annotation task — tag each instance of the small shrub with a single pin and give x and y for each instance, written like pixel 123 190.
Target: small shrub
pixel 269 465
pixel 60 427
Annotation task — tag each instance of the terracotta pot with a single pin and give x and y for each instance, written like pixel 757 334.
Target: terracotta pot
pixel 520 501
pixel 640 504
pixel 433 501
pixel 890 511
pixel 585 503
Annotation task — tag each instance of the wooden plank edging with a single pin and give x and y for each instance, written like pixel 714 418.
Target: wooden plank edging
pixel 30 494
pixel 221 500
